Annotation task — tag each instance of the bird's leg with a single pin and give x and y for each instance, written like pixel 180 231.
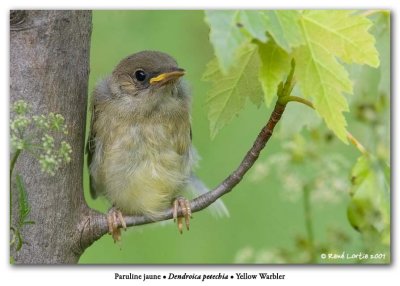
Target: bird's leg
pixel 184 204
pixel 114 219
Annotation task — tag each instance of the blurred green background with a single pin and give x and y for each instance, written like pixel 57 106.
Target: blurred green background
pixel 262 218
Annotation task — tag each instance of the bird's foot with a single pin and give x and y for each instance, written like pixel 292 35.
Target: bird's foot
pixel 184 205
pixel 114 220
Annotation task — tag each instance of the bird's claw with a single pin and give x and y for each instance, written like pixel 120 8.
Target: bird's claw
pixel 184 205
pixel 114 220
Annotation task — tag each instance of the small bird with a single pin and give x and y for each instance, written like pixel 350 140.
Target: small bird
pixel 140 152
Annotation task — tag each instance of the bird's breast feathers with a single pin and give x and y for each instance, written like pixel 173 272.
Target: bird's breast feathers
pixel 144 166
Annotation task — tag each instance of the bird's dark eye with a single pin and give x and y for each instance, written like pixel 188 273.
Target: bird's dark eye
pixel 140 75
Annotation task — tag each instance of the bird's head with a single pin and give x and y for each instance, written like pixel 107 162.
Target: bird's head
pixel 147 73
pixel 150 81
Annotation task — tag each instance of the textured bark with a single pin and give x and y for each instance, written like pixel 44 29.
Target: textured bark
pixel 49 68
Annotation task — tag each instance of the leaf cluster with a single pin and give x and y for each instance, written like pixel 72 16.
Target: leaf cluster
pixel 253 51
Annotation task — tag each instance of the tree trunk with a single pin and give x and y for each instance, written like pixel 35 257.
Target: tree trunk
pixel 49 69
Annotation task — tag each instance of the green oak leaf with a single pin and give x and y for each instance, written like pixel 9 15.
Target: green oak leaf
pixel 229 92
pixel 225 36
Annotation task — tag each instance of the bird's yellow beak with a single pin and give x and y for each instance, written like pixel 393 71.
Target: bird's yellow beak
pixel 166 77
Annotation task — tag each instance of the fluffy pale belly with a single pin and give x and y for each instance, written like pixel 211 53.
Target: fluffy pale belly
pixel 143 174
